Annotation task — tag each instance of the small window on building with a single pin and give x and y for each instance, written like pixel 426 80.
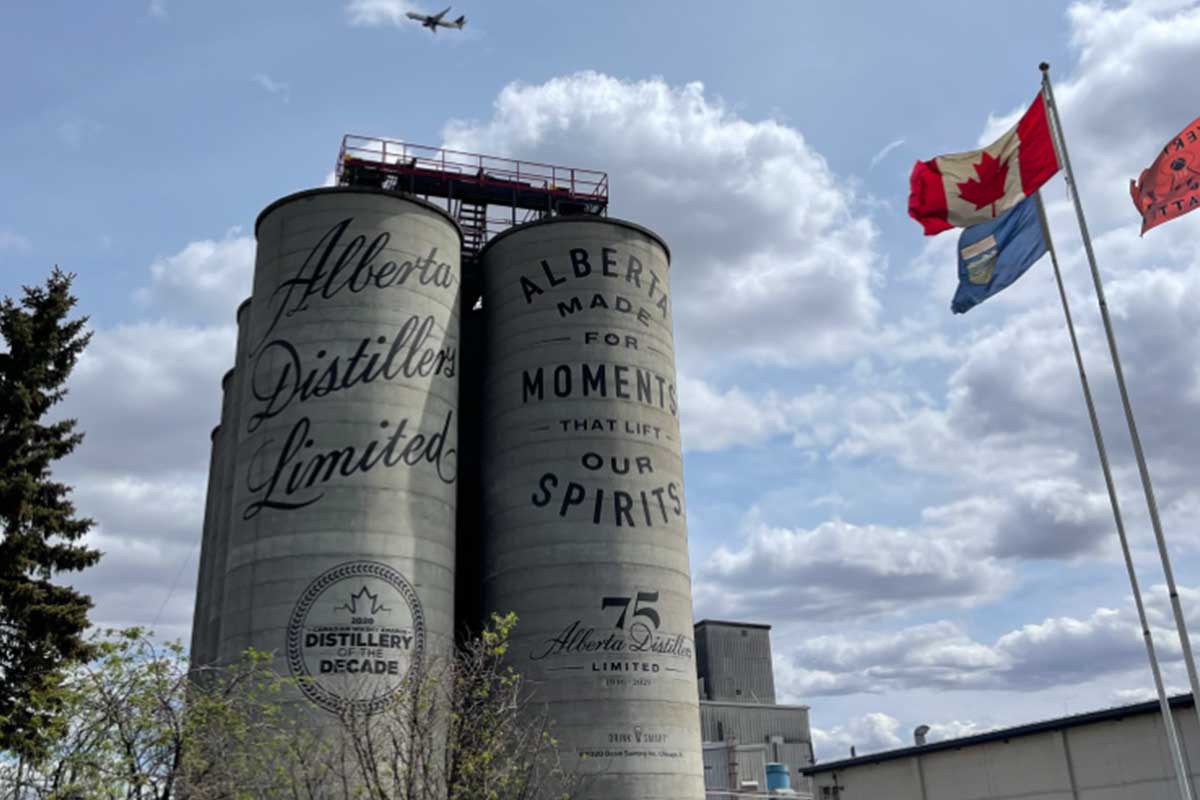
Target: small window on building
pixel 737 691
pixel 744 632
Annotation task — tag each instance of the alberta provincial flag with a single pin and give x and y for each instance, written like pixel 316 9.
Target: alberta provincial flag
pixel 964 189
pixel 993 254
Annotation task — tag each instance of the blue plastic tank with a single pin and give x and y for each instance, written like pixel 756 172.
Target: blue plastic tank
pixel 778 777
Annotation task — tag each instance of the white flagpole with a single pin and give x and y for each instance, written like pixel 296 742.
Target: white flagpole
pixel 1147 488
pixel 1185 789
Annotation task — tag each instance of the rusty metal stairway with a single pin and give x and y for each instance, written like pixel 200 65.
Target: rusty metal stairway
pixel 472 218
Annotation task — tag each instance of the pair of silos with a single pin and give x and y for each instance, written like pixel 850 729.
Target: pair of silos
pixel 332 540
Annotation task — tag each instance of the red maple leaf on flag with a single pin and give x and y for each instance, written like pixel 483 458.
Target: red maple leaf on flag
pixel 990 187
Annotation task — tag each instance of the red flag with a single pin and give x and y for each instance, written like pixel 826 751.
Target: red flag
pixel 964 189
pixel 1170 187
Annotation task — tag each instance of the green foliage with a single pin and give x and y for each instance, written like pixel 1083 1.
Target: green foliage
pixel 500 745
pixel 41 623
pixel 137 725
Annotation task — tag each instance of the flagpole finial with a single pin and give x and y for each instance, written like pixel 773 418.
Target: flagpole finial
pixel 1044 66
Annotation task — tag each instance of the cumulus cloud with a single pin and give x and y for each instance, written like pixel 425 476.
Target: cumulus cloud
pixel 839 570
pixel 148 530
pixel 867 733
pixel 762 271
pixel 715 420
pixel 146 395
pixel 1058 651
pixel 1010 430
pixel 374 13
pixel 204 281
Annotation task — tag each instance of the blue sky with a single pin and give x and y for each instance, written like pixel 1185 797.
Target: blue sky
pixel 911 499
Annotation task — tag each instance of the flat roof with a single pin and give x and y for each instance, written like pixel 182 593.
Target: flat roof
pixel 753 705
pixel 731 624
pixel 1003 734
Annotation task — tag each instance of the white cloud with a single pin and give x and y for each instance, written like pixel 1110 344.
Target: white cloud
pixel 12 241
pixel 763 272
pixel 840 570
pixel 1058 651
pixel 868 733
pixel 206 280
pixel 715 420
pixel 147 394
pixel 954 729
pixel 273 86
pixel 148 530
pixel 373 13
pixel 884 152
pixel 157 9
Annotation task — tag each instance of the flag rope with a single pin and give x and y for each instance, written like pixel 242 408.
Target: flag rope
pixel 1164 704
pixel 1143 470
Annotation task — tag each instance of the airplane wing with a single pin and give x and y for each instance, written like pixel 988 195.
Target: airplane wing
pixel 438 16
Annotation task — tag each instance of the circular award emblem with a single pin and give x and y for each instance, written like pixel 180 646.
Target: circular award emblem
pixel 355 635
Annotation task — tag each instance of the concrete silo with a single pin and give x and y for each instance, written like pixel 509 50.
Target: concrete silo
pixel 585 534
pixel 200 656
pixel 340 553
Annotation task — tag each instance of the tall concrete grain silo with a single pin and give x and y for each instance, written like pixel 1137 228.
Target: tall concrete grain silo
pixel 200 656
pixel 585 534
pixel 231 414
pixel 341 543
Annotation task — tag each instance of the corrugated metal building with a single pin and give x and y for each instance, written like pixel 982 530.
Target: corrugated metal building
pixel 742 726
pixel 733 660
pixel 1102 755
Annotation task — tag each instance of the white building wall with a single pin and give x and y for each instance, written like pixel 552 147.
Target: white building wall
pixel 1114 759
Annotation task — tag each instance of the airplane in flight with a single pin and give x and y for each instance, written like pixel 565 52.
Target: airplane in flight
pixel 433 21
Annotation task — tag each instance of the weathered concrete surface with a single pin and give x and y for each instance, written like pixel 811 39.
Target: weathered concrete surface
pixel 341 543
pixel 585 529
pixel 200 656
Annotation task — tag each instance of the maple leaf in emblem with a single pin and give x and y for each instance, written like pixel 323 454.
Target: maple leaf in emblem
pixel 364 597
pixel 989 187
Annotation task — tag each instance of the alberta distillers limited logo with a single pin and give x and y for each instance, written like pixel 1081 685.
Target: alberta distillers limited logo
pixel 354 636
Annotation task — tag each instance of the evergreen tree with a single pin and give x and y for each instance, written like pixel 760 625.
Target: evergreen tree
pixel 41 622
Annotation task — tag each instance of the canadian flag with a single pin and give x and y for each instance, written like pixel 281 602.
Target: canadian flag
pixel 964 189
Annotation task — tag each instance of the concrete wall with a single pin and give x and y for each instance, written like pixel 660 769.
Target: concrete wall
pixel 585 529
pixel 1112 759
pixel 341 544
pixel 734 661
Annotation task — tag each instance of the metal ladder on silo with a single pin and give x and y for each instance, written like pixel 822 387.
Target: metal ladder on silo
pixel 472 218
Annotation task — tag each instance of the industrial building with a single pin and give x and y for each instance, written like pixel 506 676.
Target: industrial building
pixel 743 728
pixel 1101 755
